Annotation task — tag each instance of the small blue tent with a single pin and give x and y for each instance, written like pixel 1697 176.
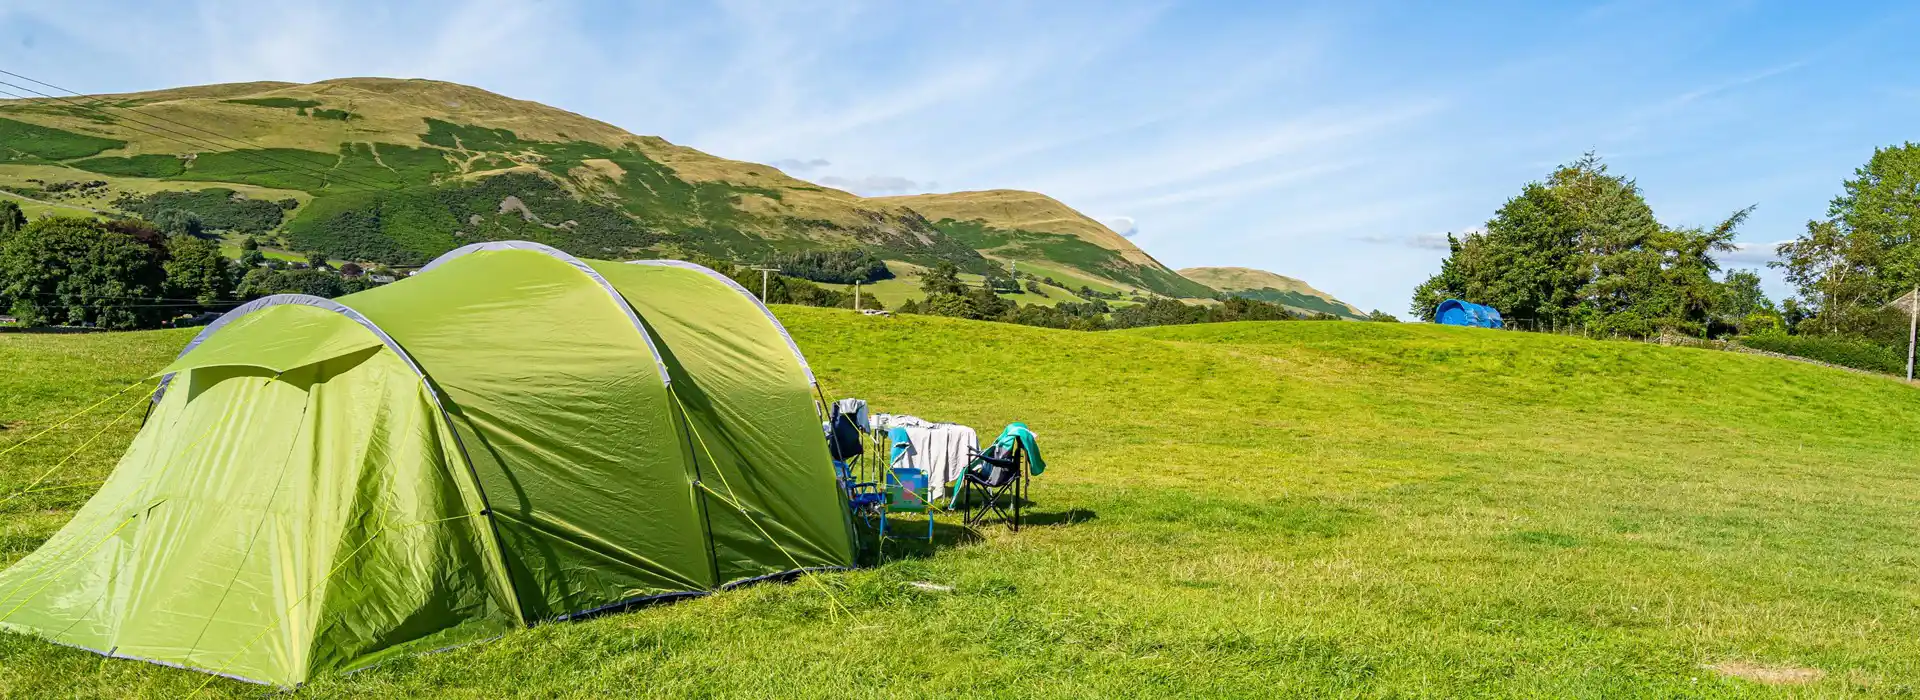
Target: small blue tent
pixel 1454 312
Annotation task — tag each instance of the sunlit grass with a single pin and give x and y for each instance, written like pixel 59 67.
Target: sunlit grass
pixel 1255 510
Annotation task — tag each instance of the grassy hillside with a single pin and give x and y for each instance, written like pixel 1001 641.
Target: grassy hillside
pixel 398 171
pixel 1256 510
pixel 1040 232
pixel 1266 286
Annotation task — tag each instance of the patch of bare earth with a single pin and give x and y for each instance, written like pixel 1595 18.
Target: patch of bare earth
pixel 1770 675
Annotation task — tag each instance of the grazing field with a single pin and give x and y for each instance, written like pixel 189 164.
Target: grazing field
pixel 1291 509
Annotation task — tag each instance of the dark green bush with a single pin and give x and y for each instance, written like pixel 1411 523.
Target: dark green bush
pixel 1858 353
pixel 219 209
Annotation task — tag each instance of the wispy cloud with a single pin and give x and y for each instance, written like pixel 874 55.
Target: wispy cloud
pixel 1754 254
pixel 795 165
pixel 875 184
pixel 1123 225
pixel 1421 241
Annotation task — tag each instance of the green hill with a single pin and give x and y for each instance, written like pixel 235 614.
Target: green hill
pixel 1266 286
pixel 398 171
pixel 1287 509
pixel 1043 236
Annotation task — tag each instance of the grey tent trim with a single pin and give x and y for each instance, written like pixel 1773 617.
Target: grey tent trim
pixel 710 272
pixel 563 256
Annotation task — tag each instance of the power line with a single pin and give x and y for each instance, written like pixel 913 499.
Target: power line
pixel 325 176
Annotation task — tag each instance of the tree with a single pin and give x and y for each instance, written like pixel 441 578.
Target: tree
pixel 1584 247
pixel 315 259
pixel 1867 251
pixel 1382 317
pixel 943 278
pixel 252 258
pixel 249 243
pixel 12 219
pixel 75 271
pixel 261 281
pixel 175 222
pixel 197 270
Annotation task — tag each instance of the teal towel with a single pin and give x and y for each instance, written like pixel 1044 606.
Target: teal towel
pixel 1019 431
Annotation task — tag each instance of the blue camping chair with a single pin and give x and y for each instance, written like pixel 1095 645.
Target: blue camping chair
pixel 906 484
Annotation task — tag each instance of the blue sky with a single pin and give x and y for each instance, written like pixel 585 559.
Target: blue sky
pixel 1333 142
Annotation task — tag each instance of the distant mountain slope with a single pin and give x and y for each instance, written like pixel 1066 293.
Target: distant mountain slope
pixel 1266 286
pixel 1029 227
pixel 398 171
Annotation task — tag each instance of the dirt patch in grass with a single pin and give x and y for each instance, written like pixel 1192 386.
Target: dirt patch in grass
pixel 1770 675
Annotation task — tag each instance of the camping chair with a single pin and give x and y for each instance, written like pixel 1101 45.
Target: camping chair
pixel 995 482
pixel 906 485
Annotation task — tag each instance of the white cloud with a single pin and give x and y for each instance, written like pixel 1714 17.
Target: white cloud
pixel 795 165
pixel 875 184
pixel 1743 253
pixel 1123 225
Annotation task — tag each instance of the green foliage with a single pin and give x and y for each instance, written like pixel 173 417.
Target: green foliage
pixel 218 208
pixel 1584 248
pixel 1866 253
pixel 339 115
pixel 175 222
pixel 1846 351
pixel 196 270
pixel 261 281
pixel 275 102
pixel 838 266
pixel 72 271
pixel 1379 316
pixel 942 279
pixel 12 219
pixel 154 165
pixel 23 142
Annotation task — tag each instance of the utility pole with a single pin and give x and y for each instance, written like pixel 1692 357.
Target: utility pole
pixel 856 296
pixel 1913 325
pixel 764 273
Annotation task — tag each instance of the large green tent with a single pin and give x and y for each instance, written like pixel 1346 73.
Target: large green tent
pixel 511 436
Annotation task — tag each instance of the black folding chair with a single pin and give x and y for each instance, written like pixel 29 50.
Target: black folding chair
pixel 995 482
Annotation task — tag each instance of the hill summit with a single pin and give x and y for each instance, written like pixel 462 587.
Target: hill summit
pixel 1267 286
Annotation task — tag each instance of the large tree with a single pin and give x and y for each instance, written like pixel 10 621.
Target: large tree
pixel 1583 248
pixel 84 272
pixel 1866 253
pixel 197 270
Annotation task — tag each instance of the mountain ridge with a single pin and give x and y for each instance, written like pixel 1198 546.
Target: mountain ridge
pixel 397 170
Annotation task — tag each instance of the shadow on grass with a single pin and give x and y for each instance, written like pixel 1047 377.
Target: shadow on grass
pixel 907 535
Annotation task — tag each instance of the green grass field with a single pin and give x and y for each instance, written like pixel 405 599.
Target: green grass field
pixel 1290 509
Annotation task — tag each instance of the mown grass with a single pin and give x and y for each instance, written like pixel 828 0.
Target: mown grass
pixel 1237 510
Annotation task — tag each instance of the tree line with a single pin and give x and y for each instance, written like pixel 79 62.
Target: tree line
pixel 1583 250
pixel 130 273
